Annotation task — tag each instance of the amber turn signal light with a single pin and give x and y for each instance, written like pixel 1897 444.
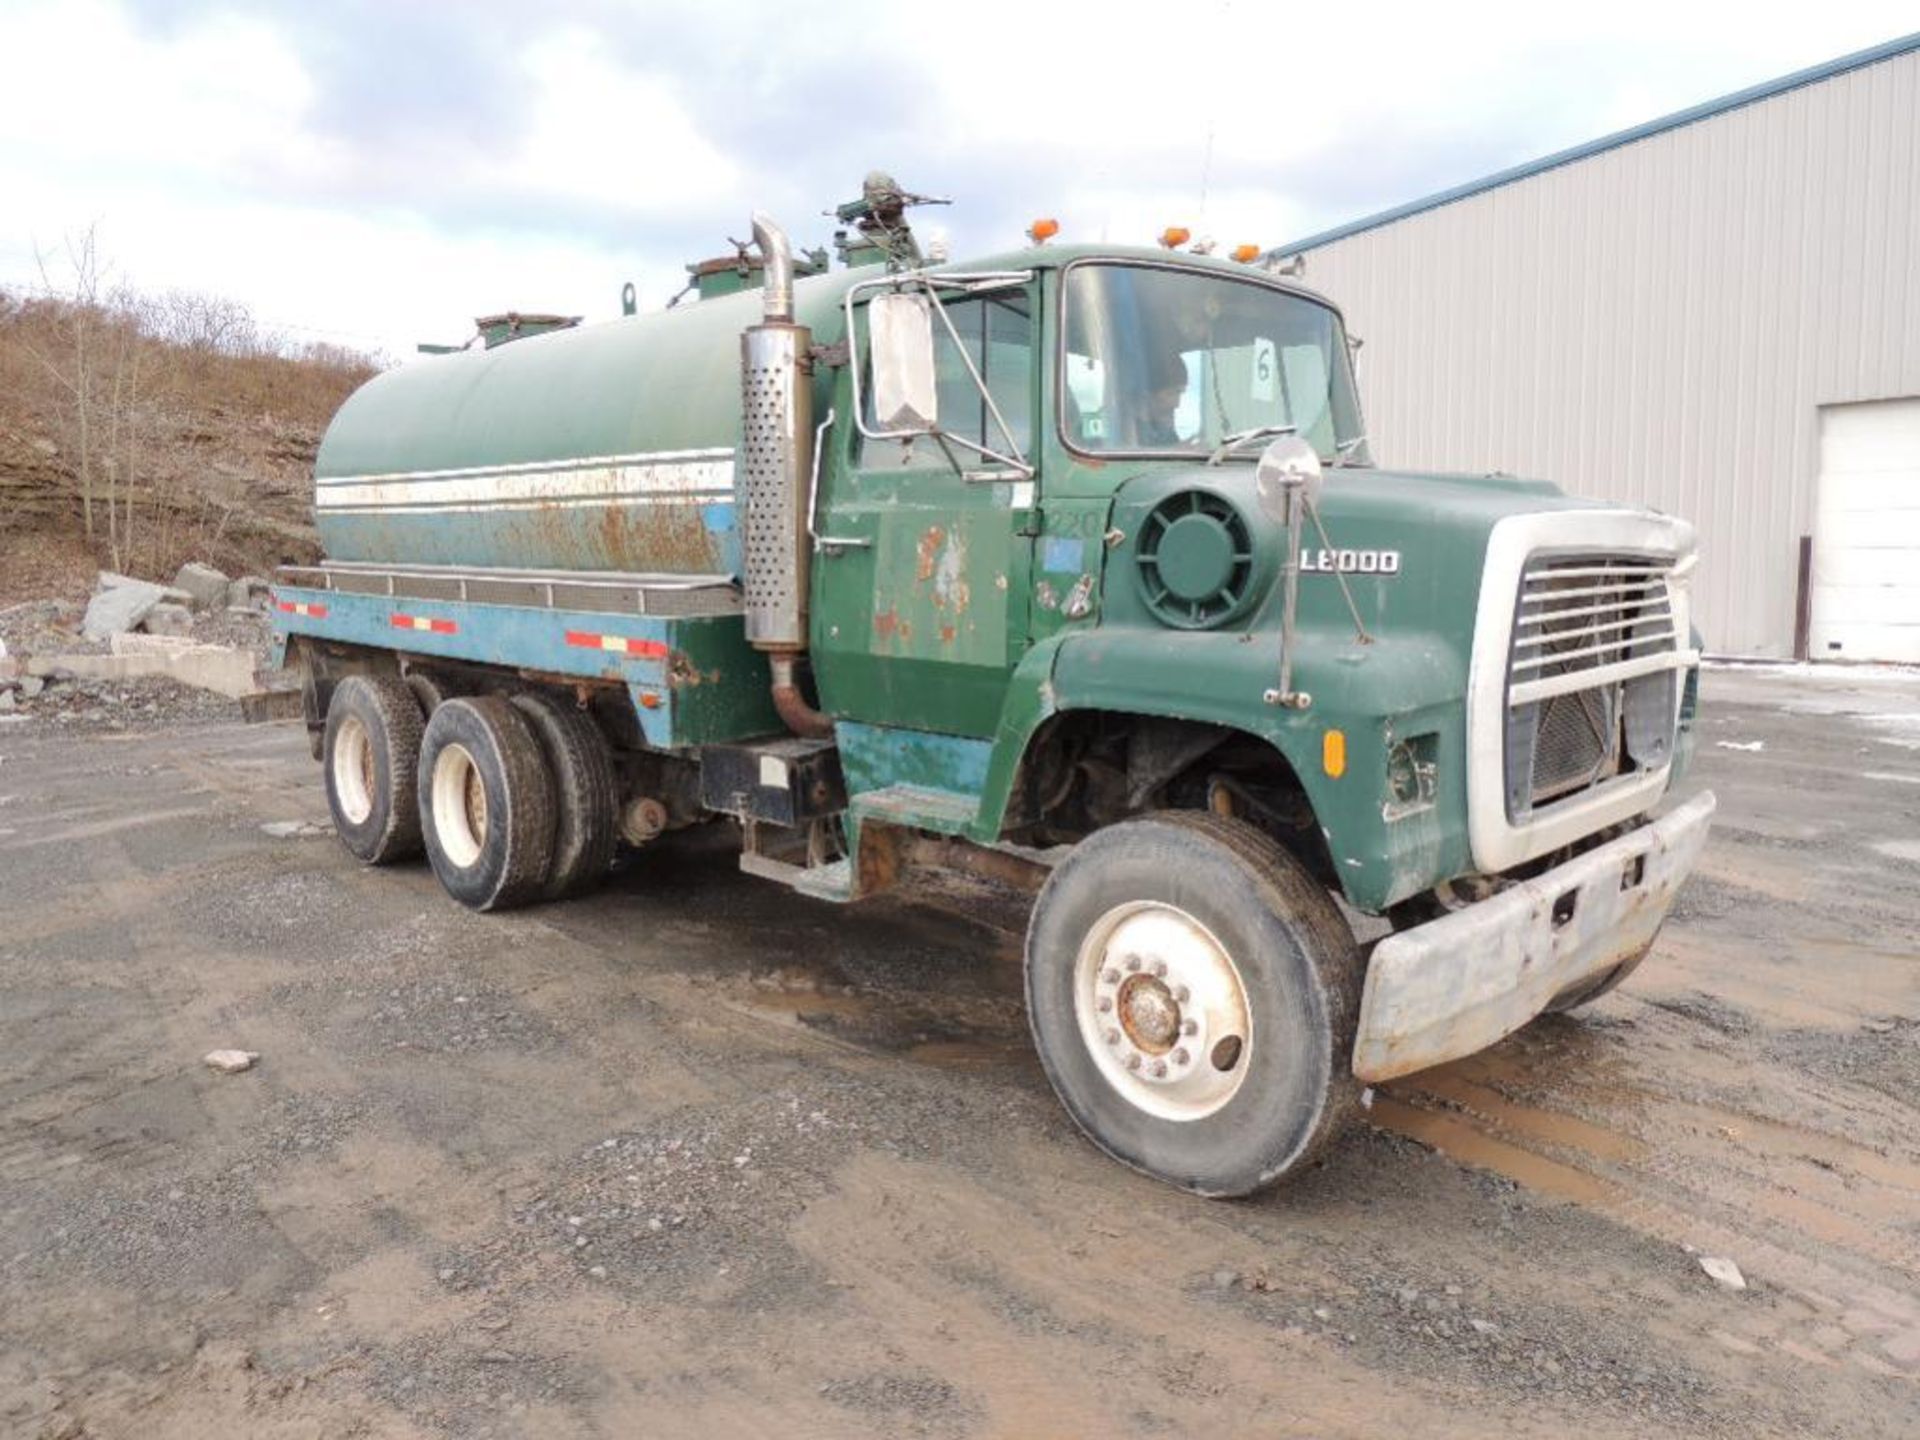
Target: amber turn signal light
pixel 1333 753
pixel 1042 231
pixel 1174 236
pixel 1246 254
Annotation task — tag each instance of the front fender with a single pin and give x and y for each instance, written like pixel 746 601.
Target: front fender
pixel 1375 694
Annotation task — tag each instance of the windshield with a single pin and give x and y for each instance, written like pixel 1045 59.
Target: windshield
pixel 1175 360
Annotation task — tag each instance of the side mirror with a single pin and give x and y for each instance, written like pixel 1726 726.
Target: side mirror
pixel 900 326
pixel 1287 467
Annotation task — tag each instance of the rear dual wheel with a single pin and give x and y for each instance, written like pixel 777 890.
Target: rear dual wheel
pixel 369 754
pixel 516 799
pixel 486 803
pixel 513 799
pixel 585 824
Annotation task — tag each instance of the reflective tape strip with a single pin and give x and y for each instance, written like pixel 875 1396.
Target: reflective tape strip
pixel 302 607
pixel 619 644
pixel 424 622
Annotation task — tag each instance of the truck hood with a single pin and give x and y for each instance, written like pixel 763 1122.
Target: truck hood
pixel 1412 545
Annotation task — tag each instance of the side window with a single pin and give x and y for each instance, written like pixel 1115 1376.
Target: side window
pixel 997 333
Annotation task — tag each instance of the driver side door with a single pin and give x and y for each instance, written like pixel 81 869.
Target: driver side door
pixel 920 609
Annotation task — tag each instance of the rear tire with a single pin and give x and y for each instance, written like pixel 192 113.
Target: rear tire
pixel 432 690
pixel 370 756
pixel 1193 994
pixel 486 803
pixel 581 765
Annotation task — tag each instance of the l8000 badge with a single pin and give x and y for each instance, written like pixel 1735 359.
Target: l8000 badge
pixel 1352 562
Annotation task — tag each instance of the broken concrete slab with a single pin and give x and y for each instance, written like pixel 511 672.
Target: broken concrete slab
pixel 135 642
pixel 218 668
pixel 249 592
pixel 170 620
pixel 120 608
pixel 108 580
pixel 206 585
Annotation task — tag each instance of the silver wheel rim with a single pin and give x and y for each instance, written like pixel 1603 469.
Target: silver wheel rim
pixel 1163 1011
pixel 459 806
pixel 353 785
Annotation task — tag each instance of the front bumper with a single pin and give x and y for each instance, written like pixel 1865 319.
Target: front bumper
pixel 1457 984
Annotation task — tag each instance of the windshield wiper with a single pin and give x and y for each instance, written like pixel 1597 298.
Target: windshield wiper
pixel 1233 442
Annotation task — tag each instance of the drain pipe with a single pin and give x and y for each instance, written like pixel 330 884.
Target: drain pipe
pixel 771 481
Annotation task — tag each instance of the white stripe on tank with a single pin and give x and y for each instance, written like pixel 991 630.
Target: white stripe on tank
pixel 637 480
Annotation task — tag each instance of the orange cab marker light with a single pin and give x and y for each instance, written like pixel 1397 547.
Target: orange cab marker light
pixel 1333 753
pixel 649 700
pixel 1174 236
pixel 1246 254
pixel 1042 231
pixel 432 624
pixel 619 644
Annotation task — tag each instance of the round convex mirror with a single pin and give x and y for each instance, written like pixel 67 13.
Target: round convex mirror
pixel 1287 462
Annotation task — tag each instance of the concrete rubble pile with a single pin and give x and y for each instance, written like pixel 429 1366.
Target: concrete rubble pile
pixel 140 650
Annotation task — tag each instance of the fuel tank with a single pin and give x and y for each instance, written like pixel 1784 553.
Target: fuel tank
pixel 604 447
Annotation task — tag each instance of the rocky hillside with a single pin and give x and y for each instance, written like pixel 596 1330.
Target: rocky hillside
pixel 138 433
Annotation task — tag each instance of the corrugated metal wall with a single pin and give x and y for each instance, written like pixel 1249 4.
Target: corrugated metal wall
pixel 1661 322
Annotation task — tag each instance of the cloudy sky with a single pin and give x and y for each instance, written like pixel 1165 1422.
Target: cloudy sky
pixel 379 171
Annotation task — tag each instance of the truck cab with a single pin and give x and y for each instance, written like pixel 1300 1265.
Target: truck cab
pixel 1071 563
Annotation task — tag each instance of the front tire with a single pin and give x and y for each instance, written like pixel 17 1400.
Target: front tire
pixel 370 753
pixel 1193 994
pixel 486 803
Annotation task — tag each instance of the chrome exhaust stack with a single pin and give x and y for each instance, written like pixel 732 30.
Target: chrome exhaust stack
pixel 772 479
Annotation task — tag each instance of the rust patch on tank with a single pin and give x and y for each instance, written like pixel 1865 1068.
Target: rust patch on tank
pixel 669 538
pixel 947 634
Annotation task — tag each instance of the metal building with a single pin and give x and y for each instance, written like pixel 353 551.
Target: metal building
pixel 1716 314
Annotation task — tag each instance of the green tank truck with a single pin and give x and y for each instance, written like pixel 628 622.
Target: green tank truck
pixel 1071 566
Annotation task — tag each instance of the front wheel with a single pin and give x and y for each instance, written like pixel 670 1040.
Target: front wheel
pixel 1193 994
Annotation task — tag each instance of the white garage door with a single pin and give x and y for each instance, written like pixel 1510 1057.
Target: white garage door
pixel 1866 533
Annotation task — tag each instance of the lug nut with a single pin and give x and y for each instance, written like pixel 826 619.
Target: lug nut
pixel 1190 1027
pixel 1106 1003
pixel 1113 1037
pixel 1160 969
pixel 1180 1056
pixel 1133 1061
pixel 1159 1069
pixel 1181 994
pixel 1133 962
pixel 1110 977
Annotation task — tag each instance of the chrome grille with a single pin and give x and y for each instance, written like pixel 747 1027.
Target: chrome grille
pixel 1586 614
pixel 1585 685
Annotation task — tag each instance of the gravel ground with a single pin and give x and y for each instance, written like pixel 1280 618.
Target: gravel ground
pixel 691 1156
